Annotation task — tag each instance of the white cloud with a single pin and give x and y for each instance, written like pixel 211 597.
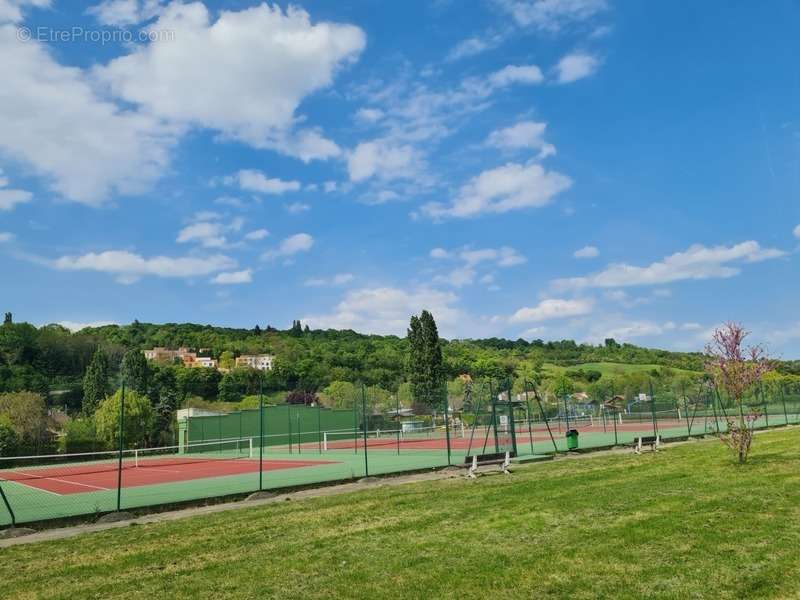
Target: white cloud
pixel 338 279
pixel 11 10
pixel 255 181
pixel 295 208
pixel 472 46
pixel 75 326
pixel 697 262
pixel 470 258
pixel 234 277
pixel 208 230
pixel 552 15
pixel 330 186
pixel 386 310
pixel 86 147
pixel 796 232
pixel 258 234
pixel 254 67
pixel 129 267
pixel 513 186
pixel 511 74
pixel 383 159
pixel 300 242
pixel 369 115
pixel 587 252
pixel 121 13
pixel 634 329
pixel 458 277
pixel 525 134
pixel 576 66
pixel 6 237
pixel 504 256
pixel 207 234
pixel 553 308
pixel 9 199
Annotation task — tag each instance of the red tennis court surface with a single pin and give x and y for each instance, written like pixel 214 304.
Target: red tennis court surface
pixel 79 479
pixel 540 434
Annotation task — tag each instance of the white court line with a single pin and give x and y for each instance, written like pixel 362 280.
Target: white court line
pixel 34 476
pixel 157 470
pixel 31 487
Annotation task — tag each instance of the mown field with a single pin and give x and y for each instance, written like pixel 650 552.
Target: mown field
pixel 609 369
pixel 683 523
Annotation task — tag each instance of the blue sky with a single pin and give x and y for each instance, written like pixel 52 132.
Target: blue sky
pixel 537 168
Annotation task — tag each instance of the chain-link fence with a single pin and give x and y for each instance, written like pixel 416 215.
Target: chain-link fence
pixel 113 465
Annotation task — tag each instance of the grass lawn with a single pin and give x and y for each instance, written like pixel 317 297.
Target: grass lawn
pixel 609 369
pixel 683 523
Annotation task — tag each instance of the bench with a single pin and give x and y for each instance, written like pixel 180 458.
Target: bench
pixel 654 441
pixel 480 460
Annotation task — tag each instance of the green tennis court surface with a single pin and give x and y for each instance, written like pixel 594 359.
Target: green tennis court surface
pixel 55 489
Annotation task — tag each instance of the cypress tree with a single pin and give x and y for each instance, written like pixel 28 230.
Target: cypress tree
pixel 136 371
pixel 95 382
pixel 425 364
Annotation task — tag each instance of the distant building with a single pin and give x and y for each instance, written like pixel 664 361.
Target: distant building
pixel 185 355
pixel 205 362
pixel 262 362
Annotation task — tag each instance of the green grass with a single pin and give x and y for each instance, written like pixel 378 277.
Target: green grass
pixel 683 523
pixel 609 369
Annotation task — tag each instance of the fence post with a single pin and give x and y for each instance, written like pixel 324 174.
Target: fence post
pixel 528 414
pixel 544 416
pixel 447 421
pixel 8 506
pixel 261 436
pixel 653 407
pixel 289 419
pixel 397 418
pixel 319 426
pixel 355 424
pixel 364 418
pixel 121 445
pixel 686 410
pixel 783 400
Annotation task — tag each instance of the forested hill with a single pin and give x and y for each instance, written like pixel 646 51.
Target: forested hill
pixel 51 356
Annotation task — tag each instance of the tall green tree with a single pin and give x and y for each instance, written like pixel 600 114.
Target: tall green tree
pixel 138 419
pixel 425 364
pixel 95 382
pixel 136 371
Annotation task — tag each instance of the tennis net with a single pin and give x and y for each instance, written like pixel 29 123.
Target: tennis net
pixel 343 439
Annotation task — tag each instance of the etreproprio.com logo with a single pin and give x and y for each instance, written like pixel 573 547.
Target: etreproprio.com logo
pixel 93 36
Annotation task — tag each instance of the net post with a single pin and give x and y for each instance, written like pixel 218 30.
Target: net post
pixel 121 445
pixel 261 435
pixel 8 506
pixel 364 418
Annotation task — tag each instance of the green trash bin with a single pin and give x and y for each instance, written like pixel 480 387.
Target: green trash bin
pixel 572 439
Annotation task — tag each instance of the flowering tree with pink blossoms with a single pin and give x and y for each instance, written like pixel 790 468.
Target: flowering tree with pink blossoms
pixel 736 369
